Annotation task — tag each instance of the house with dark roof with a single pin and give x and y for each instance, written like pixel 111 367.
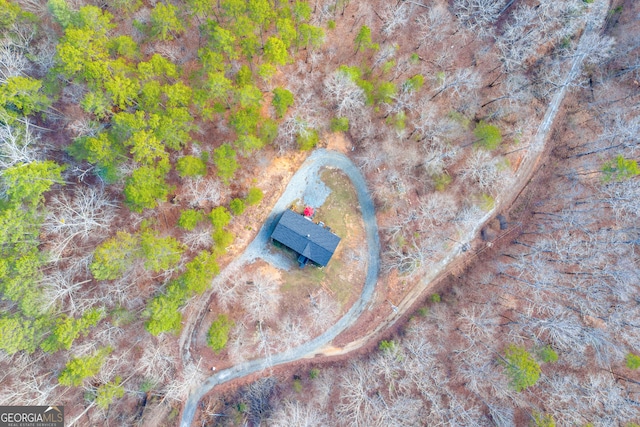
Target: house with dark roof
pixel 311 241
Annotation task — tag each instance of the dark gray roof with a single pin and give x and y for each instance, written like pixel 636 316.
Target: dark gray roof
pixel 305 237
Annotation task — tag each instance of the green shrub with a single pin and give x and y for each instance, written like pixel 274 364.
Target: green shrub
pixel 620 169
pixel 487 202
pixel 459 118
pixel 254 196
pixel 633 361
pixel 268 131
pixel 314 373
pixel 331 25
pixel 308 139
pixel 435 298
pixel 387 345
pixel 489 136
pixel 414 84
pixel 297 385
pixel 189 218
pixel 441 181
pixel 339 124
pixel 218 334
pixel 398 121
pixel 548 354
pixel 543 420
pixel 147 385
pixel 121 317
pixel 237 206
pixel 386 67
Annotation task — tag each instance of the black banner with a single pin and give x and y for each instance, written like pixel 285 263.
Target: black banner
pixel 31 416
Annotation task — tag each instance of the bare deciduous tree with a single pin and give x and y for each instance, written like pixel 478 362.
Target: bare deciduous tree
pixel 261 298
pixel 178 388
pixel 156 364
pixel 478 15
pixel 202 192
pixel 434 25
pixel 348 99
pixel 18 144
pixel 291 333
pixel 463 81
pixel 482 170
pixel 258 399
pixel 356 387
pixel 395 15
pixel 13 62
pixel 86 213
pixel 297 414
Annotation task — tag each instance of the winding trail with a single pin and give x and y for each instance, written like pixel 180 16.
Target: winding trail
pixel 295 190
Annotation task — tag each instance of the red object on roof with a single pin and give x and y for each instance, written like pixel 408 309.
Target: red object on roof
pixel 308 211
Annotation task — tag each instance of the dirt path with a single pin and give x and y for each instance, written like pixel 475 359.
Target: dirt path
pixel 320 345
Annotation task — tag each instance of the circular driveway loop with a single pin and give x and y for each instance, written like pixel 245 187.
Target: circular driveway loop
pixel 257 249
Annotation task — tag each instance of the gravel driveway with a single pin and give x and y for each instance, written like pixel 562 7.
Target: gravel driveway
pixel 304 180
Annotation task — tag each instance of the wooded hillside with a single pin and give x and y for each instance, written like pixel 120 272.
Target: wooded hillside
pixel 143 142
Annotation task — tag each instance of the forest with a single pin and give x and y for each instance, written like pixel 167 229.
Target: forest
pixel 143 144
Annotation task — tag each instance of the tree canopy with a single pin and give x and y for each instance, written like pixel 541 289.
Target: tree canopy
pixel 521 368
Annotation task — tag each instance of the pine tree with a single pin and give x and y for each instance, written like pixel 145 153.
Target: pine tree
pixel 80 368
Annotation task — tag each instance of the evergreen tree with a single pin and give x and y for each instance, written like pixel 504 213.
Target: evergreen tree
pixel 282 100
pixel 521 367
pixel 113 257
pixel 145 187
pixel 189 219
pixel 165 22
pixel 218 334
pixel 80 368
pixel 225 159
pixel 191 166
pixel 160 253
pixel 109 391
pixel 275 51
